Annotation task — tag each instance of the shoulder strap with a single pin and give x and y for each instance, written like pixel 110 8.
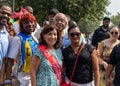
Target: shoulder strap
pixel 76 62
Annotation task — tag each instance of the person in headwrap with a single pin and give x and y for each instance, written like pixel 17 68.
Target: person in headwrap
pixel 22 48
pixel 16 24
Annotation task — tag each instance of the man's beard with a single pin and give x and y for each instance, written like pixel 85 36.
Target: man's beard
pixel 3 23
pixel 105 26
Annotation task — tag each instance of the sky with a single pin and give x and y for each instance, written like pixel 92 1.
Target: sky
pixel 114 7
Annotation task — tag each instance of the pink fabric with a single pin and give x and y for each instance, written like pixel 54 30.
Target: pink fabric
pixel 18 14
pixel 54 63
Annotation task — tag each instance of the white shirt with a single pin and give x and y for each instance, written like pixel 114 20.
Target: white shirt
pixel 4 44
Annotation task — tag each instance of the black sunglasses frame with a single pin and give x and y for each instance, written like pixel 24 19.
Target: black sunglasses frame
pixel 75 34
pixel 116 33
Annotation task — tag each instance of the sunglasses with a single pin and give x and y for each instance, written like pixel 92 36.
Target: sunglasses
pixel 114 33
pixel 75 34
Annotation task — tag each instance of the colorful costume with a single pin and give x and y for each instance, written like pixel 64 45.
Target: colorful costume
pixel 22 49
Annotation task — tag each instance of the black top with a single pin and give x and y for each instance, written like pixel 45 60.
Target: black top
pixel 84 70
pixel 99 35
pixel 115 60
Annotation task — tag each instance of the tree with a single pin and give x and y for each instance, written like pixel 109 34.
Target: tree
pixel 88 26
pixel 116 19
pixel 78 10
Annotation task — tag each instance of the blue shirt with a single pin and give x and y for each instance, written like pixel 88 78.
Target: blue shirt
pixel 4 44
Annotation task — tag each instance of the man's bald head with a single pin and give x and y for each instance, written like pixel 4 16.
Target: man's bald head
pixel 29 9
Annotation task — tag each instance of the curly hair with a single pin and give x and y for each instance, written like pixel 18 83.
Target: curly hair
pixel 27 16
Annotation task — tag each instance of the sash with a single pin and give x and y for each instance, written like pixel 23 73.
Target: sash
pixel 53 61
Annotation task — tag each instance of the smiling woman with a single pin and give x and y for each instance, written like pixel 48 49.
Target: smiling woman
pixel 47 60
pixel 105 47
pixel 87 62
pixel 51 33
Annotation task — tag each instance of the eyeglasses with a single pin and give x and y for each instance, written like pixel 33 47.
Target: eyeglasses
pixel 73 34
pixel 114 33
pixel 59 20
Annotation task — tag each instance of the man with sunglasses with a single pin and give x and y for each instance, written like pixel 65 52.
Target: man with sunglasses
pixel 102 32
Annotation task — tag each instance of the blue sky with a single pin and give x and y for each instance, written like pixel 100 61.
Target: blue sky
pixel 114 7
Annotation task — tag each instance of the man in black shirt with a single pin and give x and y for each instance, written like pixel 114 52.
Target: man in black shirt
pixel 102 32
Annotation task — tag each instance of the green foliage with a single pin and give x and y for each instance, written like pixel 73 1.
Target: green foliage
pixel 116 19
pixel 87 11
pixel 88 26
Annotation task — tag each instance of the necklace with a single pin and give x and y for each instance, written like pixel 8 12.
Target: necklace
pixel 75 48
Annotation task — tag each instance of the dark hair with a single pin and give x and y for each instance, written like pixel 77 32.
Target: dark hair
pixel 71 22
pixel 53 11
pixel 46 30
pixel 72 27
pixel 106 18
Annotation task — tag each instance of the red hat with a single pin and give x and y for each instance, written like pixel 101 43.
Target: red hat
pixel 18 14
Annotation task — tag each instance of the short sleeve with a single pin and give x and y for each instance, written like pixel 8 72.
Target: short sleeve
pixel 90 48
pixel 60 53
pixel 14 49
pixel 38 53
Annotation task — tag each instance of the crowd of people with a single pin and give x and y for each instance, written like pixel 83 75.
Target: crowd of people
pixel 56 53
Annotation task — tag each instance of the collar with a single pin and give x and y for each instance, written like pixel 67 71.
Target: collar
pixel 3 31
pixel 104 29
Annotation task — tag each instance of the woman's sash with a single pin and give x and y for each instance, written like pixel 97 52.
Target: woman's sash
pixel 53 61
